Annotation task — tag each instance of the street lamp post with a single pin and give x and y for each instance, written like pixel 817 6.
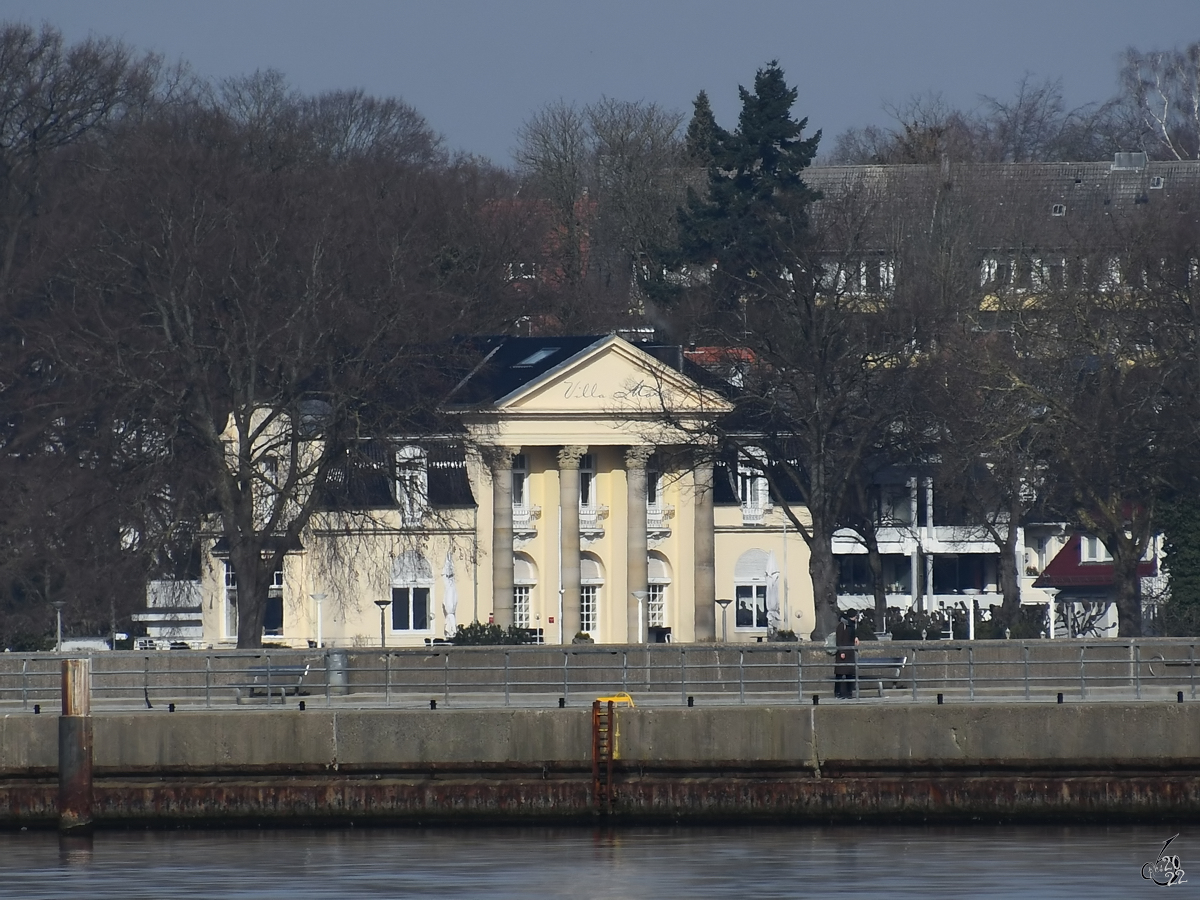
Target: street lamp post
pixel 58 608
pixel 383 605
pixel 317 598
pixel 724 604
pixel 641 596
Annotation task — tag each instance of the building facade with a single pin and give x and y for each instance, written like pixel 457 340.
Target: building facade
pixel 577 500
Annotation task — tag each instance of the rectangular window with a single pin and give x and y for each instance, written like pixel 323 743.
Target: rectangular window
pixel 231 619
pixel 273 612
pixel 520 478
pixel 589 596
pixel 1092 550
pixel 410 609
pixel 751 606
pixel 521 606
pixel 653 487
pixel 412 484
pixel 587 479
pixel 273 615
pixel 657 608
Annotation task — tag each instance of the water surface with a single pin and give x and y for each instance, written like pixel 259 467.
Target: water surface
pixel 743 863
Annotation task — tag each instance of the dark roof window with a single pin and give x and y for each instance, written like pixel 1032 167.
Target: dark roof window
pixel 535 358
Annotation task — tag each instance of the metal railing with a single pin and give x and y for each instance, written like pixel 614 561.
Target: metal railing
pixel 675 674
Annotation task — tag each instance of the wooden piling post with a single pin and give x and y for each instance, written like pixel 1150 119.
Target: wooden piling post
pixel 75 747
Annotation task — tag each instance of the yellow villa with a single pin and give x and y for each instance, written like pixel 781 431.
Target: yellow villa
pixel 574 501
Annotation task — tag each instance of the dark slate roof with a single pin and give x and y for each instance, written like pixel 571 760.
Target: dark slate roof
pixel 511 363
pixel 1004 205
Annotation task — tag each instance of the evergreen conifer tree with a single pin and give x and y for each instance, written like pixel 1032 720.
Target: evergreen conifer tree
pixel 754 221
pixel 701 140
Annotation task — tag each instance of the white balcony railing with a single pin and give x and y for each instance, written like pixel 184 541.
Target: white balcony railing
pixel 752 513
pixel 591 520
pixel 524 520
pixel 658 516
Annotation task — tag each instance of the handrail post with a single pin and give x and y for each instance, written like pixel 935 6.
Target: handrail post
pixel 446 680
pixel 971 672
pixel 799 674
pixel 566 673
pixel 269 682
pixel 1025 654
pixel 625 671
pixel 683 676
pixel 207 680
pixel 25 684
pixel 1082 673
pixel 1137 669
pixel 506 695
pixel 1192 668
pixel 741 676
pixel 387 678
pixel 916 653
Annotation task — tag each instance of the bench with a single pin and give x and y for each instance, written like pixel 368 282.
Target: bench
pixel 880 669
pixel 271 680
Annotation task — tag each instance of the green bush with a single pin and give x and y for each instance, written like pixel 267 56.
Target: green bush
pixel 482 634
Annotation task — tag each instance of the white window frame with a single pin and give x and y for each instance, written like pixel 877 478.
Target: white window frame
pixel 1092 550
pixel 754 591
pixel 229 603
pixel 587 482
pixel 522 596
pixel 409 596
pixel 589 609
pixel 412 483
pixel 656 605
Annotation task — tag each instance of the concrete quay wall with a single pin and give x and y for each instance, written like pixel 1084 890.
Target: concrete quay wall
pixel 828 762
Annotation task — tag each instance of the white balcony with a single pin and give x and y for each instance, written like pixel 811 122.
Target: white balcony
pixel 658 516
pixel 591 520
pixel 752 513
pixel 525 520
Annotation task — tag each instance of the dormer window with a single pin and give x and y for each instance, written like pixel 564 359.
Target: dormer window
pixel 1058 209
pixel 412 483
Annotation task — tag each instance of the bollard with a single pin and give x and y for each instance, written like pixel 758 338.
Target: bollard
pixel 562 702
pixel 433 704
pixel 939 699
pixel 75 748
pixel 1060 699
pixel 37 709
pixel 302 706
pixel 691 701
pixel 816 699
pixel 1179 696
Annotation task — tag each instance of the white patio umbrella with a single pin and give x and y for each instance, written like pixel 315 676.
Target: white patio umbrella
pixel 773 616
pixel 449 597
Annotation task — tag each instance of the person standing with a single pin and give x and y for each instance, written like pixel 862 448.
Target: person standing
pixel 845 656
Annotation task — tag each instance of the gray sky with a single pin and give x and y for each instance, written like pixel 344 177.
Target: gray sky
pixel 477 69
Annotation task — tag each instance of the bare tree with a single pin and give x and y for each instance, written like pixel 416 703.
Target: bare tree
pixel 1162 89
pixel 262 316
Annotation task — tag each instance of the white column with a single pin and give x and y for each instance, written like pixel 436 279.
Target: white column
pixel 502 535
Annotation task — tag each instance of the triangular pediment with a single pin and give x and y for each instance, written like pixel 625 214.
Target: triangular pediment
pixel 613 378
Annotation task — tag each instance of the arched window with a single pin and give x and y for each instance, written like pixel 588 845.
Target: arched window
pixel 412 579
pixel 591 580
pixel 750 590
pixel 658 571
pixel 524 581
